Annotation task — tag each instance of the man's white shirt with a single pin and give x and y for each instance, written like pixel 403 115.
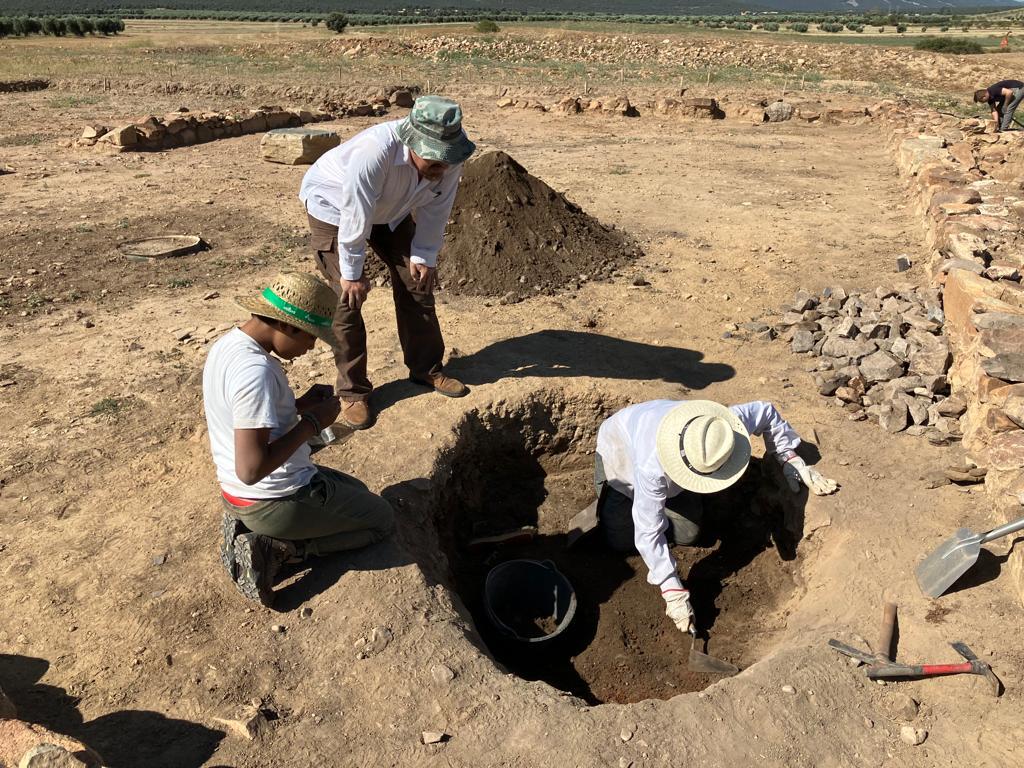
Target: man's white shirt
pixel 370 180
pixel 627 444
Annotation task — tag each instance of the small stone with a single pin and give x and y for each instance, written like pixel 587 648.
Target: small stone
pixel 788 689
pixel 913 736
pixel 880 366
pixel 182 334
pixel 210 295
pixel 159 559
pixel 442 674
pixel 803 341
pixel 902 263
pixel 904 706
pixel 249 725
pixel 278 629
pixel 626 734
pixel 640 281
pixel 892 416
pixel 87 323
pixel 869 723
pixel 433 737
pixel 49 756
pixel 625 762
pixel 935 479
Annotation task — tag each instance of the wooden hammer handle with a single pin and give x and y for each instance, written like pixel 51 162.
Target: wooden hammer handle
pixel 884 648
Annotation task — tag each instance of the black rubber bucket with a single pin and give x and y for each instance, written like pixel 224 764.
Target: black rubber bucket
pixel 529 600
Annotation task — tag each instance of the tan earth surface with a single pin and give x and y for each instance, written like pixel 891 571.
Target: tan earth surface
pixel 120 628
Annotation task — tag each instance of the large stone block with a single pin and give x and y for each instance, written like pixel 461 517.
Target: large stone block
pixel 297 146
pixel 124 136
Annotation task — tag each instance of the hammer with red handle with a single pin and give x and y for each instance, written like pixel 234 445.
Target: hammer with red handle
pixel 973 666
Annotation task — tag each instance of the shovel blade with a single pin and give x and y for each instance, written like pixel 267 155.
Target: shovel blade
pixel 709 665
pixel 937 572
pixel 584 522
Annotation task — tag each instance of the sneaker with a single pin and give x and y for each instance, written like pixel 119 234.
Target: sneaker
pixel 443 385
pixel 356 414
pixel 230 528
pixel 258 560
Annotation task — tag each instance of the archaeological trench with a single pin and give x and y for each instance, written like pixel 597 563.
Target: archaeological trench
pixel 943 361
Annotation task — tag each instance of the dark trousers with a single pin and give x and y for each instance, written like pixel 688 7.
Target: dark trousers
pixel 684 511
pixel 418 329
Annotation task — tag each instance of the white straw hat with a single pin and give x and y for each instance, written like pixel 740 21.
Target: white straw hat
pixel 703 446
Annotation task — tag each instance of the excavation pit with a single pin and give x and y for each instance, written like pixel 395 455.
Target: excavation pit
pixel 529 465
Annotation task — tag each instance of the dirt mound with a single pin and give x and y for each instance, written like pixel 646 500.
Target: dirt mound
pixel 510 233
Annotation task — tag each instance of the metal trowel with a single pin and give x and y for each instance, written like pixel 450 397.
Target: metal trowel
pixel 709 665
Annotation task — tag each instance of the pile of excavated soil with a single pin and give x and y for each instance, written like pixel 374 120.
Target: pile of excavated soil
pixel 512 235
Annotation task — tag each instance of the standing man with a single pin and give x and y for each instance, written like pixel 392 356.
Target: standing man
pixel 655 459
pixel 1004 97
pixel 392 186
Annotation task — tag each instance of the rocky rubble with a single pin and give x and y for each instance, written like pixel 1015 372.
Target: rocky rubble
pixel 880 355
pixel 619 106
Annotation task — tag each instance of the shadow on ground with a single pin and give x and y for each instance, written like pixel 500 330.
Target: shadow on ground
pixel 125 739
pixel 570 354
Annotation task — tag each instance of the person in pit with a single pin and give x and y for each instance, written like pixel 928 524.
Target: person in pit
pixel 655 460
pixel 278 505
pixel 392 186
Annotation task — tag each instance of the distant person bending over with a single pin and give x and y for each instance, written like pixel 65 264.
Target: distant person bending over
pixel 392 186
pixel 653 462
pixel 278 505
pixel 1004 97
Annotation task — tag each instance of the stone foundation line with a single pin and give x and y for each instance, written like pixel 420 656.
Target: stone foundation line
pixel 969 189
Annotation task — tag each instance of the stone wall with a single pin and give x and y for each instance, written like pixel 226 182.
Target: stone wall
pixel 968 185
pixel 184 128
pixel 17 86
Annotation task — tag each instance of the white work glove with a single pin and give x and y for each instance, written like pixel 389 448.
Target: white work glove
pixel 796 471
pixel 677 608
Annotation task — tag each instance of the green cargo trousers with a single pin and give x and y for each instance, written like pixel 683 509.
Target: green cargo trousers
pixel 335 512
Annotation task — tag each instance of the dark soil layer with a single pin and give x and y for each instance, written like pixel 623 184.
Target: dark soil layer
pixel 510 233
pixel 621 647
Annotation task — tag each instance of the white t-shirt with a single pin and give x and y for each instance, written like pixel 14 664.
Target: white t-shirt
pixel 245 388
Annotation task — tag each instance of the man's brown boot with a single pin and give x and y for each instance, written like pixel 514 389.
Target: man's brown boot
pixel 443 385
pixel 356 414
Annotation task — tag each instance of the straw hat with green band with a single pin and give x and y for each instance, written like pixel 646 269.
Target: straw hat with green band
pixel 433 130
pixel 299 299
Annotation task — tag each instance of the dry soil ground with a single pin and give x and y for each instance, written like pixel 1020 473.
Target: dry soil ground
pixel 119 626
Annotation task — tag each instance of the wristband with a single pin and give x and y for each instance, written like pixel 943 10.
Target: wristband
pixel 787 456
pixel 317 429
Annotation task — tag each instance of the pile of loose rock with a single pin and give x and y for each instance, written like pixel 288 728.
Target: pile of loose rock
pixel 881 355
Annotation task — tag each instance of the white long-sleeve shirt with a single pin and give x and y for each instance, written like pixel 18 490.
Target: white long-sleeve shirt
pixel 371 179
pixel 627 445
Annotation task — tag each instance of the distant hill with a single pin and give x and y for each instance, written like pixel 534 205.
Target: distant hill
pixel 644 7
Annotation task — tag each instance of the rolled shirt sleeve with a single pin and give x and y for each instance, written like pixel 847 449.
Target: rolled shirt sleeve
pixel 361 187
pixel 431 220
pixel 650 492
pixel 762 418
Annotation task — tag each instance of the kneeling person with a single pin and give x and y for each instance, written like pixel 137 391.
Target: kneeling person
pixel 278 505
pixel 654 460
